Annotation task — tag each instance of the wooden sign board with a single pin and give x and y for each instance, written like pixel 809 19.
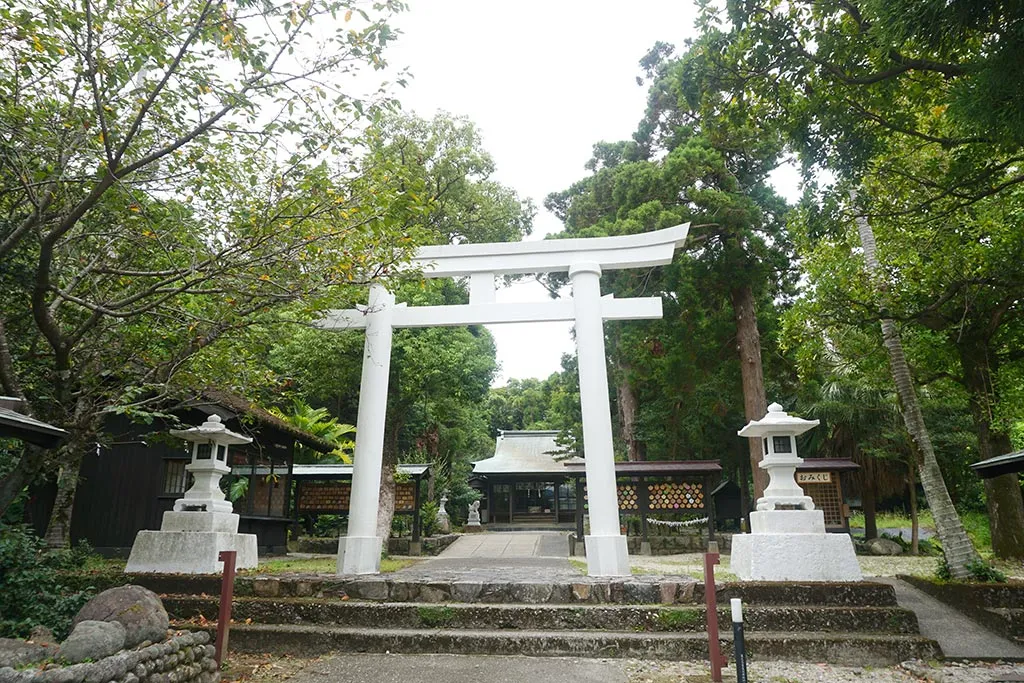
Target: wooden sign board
pixel 814 477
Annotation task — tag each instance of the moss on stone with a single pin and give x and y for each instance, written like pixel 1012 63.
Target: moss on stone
pixel 678 619
pixel 436 616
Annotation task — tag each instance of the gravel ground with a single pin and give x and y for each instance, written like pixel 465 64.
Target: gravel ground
pixel 693 564
pixel 264 668
pixel 800 672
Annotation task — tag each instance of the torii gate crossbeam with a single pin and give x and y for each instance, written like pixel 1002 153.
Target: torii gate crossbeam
pixel 584 259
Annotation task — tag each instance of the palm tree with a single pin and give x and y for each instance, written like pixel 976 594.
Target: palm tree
pixel 955 544
pixel 319 423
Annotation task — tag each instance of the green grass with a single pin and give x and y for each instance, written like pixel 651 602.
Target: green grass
pixel 894 520
pixel 436 617
pixel 678 619
pixel 975 523
pixel 318 565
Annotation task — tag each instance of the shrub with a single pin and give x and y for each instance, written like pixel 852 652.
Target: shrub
pixel 980 571
pixel 32 592
pixel 428 518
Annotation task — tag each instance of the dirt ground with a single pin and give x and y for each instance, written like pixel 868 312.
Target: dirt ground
pixel 265 668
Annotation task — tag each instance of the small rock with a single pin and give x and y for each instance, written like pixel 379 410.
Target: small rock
pixel 883 546
pixel 93 640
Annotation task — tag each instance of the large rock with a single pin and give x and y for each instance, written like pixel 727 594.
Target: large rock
pixel 15 653
pixel 883 546
pixel 136 608
pixel 93 640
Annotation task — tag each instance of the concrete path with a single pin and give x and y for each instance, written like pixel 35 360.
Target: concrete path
pixel 516 556
pixel 512 544
pixel 958 636
pixel 372 668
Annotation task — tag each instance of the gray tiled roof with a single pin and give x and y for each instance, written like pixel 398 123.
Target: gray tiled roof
pixel 524 452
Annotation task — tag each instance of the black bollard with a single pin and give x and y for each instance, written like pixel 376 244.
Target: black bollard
pixel 740 649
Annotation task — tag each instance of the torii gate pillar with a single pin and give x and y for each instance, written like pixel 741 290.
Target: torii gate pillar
pixel 583 259
pixel 607 553
pixel 359 551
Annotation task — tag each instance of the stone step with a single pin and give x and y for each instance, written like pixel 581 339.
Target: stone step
pixel 835 648
pixel 542 617
pixel 637 590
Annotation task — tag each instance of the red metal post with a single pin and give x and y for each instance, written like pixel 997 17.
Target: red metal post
pixel 711 606
pixel 227 592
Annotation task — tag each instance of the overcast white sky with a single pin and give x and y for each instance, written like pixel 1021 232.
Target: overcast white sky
pixel 543 81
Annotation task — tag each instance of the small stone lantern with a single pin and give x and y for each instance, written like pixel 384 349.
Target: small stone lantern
pixel 778 431
pixel 202 524
pixel 210 443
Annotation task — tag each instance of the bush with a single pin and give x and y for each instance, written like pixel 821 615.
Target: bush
pixel 32 592
pixel 980 571
pixel 428 518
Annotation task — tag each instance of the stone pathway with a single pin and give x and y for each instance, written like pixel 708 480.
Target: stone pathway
pixel 958 636
pixel 512 544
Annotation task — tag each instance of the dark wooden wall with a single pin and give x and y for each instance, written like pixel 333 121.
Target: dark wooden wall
pixel 122 491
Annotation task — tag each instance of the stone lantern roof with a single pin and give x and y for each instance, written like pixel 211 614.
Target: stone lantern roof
pixel 211 430
pixel 777 421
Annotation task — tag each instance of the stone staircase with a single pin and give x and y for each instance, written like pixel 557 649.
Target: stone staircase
pixel 838 623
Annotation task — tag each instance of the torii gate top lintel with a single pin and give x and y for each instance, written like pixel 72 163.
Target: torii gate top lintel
pixel 552 256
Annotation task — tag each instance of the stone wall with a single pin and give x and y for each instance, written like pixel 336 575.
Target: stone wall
pixel 676 544
pixel 184 658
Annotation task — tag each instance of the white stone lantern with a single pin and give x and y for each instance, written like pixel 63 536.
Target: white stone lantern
pixel 787 539
pixel 210 443
pixel 778 431
pixel 202 523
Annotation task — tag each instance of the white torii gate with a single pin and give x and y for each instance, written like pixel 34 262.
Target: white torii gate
pixel 584 259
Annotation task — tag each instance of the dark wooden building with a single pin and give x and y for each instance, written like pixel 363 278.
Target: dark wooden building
pixel 129 481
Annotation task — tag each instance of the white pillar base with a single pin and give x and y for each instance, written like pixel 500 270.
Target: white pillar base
pixel 794 557
pixel 359 554
pixel 607 556
pixel 189 552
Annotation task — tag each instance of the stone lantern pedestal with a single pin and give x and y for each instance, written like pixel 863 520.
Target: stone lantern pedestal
pixel 787 539
pixel 202 523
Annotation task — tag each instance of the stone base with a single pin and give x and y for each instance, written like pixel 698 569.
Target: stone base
pixel 787 522
pixel 607 556
pixel 645 548
pixel 794 557
pixel 415 548
pixel 223 522
pixel 188 552
pixel 472 529
pixel 359 554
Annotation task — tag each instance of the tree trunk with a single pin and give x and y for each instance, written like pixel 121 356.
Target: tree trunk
pixel 955 543
pixel 867 501
pixel 1002 493
pixel 15 481
pixel 386 506
pixel 915 526
pixel 627 414
pixel 755 404
pixel 58 531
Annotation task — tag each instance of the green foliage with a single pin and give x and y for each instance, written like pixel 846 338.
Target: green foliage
pixel 319 423
pixel 238 489
pixel 428 518
pixel 980 571
pixel 436 617
pixel 678 619
pixel 32 591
